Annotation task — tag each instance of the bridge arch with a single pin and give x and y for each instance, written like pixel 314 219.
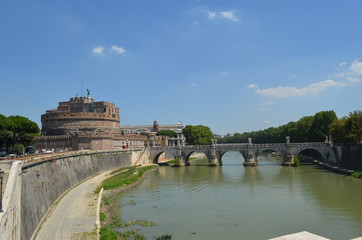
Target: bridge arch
pixel 157 157
pixel 308 154
pixel 230 151
pixel 270 152
pixel 279 149
pixel 190 153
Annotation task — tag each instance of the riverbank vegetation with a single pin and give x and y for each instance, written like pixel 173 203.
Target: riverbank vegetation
pixel 122 179
pixel 356 175
pixel 315 128
pixel 124 176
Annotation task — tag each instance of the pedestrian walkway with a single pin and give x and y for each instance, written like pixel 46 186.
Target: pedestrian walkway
pixel 74 217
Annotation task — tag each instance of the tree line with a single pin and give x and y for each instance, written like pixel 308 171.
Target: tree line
pixel 17 130
pixel 315 128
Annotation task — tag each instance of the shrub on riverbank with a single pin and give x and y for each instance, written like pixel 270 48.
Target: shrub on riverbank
pixel 296 161
pixel 356 175
pixel 177 162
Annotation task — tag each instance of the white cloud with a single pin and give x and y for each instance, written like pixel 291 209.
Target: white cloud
pixel 263 109
pixel 229 15
pixel 342 64
pixel 211 15
pixel 267 121
pixel 268 103
pixel 193 85
pixel 351 73
pixel 347 75
pixel 313 89
pixel 98 50
pixel 356 67
pixel 117 50
pixel 252 86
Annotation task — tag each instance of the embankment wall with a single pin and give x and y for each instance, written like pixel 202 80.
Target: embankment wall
pixel 35 187
pixel 350 156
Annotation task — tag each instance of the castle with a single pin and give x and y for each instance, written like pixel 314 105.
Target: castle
pixel 83 124
pixel 80 123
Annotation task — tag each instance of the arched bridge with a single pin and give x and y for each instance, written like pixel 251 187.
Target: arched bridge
pixel 249 151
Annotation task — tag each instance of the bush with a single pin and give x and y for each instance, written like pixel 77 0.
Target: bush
pixel 356 175
pixel 296 161
pixel 177 162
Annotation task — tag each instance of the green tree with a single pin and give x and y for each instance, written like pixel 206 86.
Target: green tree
pixel 168 133
pixel 308 128
pixel 5 135
pixel 320 125
pixel 22 129
pixel 355 125
pixel 339 131
pixel 198 135
pixel 304 126
pixel 347 129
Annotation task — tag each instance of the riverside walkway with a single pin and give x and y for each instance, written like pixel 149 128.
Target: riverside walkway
pixel 74 216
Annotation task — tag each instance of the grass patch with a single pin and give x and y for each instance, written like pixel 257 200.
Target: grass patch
pixel 107 234
pixel 171 161
pixel 110 215
pixel 102 216
pixel 124 176
pixel 119 170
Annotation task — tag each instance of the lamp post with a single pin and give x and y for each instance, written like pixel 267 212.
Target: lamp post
pixel 1 190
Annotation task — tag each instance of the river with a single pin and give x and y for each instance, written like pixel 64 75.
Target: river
pixel 248 203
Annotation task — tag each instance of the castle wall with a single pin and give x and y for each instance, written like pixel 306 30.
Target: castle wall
pixel 67 123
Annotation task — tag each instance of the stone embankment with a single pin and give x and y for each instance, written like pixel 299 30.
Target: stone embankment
pixel 32 188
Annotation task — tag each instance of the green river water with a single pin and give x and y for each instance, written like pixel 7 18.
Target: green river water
pixel 249 203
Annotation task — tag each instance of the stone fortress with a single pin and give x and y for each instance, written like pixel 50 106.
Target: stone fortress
pixel 80 123
pixel 84 124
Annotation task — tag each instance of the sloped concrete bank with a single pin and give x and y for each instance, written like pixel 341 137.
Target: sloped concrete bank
pixel 34 187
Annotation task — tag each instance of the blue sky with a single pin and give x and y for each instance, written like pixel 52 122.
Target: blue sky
pixel 234 66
